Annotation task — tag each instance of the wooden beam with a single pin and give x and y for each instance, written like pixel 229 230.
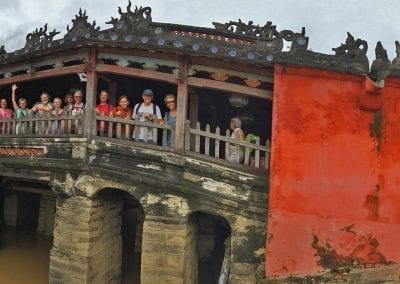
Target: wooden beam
pixel 139 73
pixel 182 105
pixel 44 74
pixel 46 57
pixel 34 190
pixel 231 88
pixel 91 92
pixel 236 66
pixel 229 72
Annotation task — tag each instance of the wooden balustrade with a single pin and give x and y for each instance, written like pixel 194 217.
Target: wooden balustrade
pixel 201 142
pixel 213 144
pixel 136 131
pixel 43 126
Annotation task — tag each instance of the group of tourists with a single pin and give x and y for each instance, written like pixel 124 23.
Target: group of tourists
pixel 145 111
pixel 73 105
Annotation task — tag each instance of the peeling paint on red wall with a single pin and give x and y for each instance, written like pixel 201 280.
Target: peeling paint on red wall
pixel 335 179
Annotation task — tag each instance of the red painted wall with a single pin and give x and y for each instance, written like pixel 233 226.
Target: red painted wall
pixel 334 196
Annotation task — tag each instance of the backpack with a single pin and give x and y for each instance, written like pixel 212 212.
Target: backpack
pixel 154 109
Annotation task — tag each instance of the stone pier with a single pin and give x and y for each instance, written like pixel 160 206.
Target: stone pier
pixel 163 250
pixel 87 241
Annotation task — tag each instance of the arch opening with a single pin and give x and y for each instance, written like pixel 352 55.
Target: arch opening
pixel 208 249
pixel 27 213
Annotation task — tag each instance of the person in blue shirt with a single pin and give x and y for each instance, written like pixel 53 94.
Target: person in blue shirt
pixel 170 116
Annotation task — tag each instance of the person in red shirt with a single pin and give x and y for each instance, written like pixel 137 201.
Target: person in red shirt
pixel 103 109
pixel 123 111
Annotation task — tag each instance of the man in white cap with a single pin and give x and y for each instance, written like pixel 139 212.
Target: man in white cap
pixel 146 112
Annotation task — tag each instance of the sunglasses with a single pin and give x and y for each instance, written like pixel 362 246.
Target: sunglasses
pixel 170 102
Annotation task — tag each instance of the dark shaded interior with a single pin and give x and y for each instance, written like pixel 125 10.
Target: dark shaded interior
pixel 131 231
pixel 55 86
pixel 215 109
pixel 212 245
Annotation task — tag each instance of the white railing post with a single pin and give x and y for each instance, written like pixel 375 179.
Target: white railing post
pixel 207 141
pixel 227 145
pixel 197 139
pixel 257 154
pixel 217 133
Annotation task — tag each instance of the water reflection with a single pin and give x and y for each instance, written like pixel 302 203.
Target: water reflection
pixel 24 256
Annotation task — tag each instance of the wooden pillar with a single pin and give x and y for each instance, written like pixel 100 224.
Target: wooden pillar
pixel 91 90
pixel 182 104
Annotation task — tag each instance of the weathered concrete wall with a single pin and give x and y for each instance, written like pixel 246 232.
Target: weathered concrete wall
pixel 47 213
pixel 248 251
pixel 334 174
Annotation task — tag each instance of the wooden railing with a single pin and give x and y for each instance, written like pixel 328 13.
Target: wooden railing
pixel 42 126
pixel 217 146
pixel 136 131
pixel 202 143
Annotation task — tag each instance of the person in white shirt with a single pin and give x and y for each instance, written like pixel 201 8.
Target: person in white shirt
pixel 78 107
pixel 146 111
pixel 44 106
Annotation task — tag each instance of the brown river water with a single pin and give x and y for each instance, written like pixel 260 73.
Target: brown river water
pixel 24 256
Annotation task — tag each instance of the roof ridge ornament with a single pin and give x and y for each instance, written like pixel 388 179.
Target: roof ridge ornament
pixel 266 32
pixel 380 66
pixel 394 68
pixel 351 48
pixel 81 28
pixel 396 60
pixel 40 36
pixel 129 21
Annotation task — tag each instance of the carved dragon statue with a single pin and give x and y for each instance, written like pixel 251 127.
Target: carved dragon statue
pixel 39 36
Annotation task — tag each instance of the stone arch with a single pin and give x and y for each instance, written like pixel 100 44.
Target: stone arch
pixel 91 186
pixel 207 250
